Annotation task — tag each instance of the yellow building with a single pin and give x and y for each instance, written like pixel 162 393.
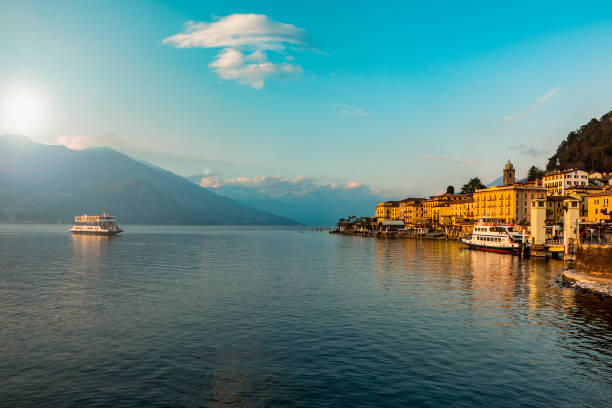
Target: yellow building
pixel 441 214
pixel 437 209
pixel 411 211
pixel 554 209
pixel 462 214
pixel 388 210
pixel 581 193
pixel 600 206
pixel 510 203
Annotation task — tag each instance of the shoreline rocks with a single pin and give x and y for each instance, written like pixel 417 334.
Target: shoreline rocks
pixel 598 285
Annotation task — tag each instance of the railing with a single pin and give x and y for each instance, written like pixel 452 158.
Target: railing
pixel 596 238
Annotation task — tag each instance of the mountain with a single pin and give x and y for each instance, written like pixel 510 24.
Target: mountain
pixel 497 182
pixel 500 180
pixel 301 199
pixel 42 183
pixel 588 148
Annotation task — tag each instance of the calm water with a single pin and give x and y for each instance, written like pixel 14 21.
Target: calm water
pixel 191 316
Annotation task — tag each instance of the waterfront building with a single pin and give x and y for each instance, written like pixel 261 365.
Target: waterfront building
pixel 556 182
pixel 388 210
pixel 600 206
pixel 411 211
pixel 437 209
pixel 509 203
pixel 581 193
pixel 462 214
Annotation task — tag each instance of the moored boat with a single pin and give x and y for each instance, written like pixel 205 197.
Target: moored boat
pixel 95 225
pixel 494 235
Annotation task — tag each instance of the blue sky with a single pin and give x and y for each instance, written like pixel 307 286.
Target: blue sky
pixel 404 98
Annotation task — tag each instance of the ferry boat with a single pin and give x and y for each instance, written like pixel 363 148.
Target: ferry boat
pixel 95 225
pixel 494 235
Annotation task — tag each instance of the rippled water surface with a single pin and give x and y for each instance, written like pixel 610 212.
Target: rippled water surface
pixel 192 316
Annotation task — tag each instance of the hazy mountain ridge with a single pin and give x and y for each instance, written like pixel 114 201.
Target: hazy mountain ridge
pixel 302 199
pixel 42 183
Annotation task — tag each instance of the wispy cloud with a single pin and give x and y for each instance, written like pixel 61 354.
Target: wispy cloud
pixel 547 96
pixel 533 107
pixel 347 110
pixel 467 162
pixel 245 40
pixel 527 150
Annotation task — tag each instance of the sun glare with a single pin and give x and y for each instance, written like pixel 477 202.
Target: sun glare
pixel 22 112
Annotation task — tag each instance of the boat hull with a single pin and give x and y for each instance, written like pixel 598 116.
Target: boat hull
pixel 500 250
pixel 101 233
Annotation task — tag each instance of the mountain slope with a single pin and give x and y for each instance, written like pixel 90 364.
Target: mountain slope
pixel 41 183
pixel 588 148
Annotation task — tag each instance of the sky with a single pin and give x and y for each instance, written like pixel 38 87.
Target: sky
pixel 404 98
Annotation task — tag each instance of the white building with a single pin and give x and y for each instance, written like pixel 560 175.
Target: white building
pixel 556 182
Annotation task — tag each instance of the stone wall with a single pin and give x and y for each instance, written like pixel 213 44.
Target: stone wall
pixel 595 260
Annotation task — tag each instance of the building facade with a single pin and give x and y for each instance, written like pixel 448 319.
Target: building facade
pixel 462 214
pixel 557 182
pixel 411 211
pixel 581 193
pixel 437 209
pixel 388 210
pixel 509 203
pixel 600 206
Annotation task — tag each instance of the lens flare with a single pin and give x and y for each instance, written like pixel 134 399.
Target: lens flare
pixel 22 112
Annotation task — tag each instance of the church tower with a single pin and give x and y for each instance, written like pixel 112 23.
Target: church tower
pixel 509 174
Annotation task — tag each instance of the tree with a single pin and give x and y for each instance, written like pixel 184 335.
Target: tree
pixel 472 185
pixel 450 190
pixel 535 173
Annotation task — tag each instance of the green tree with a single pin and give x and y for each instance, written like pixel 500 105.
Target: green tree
pixel 535 173
pixel 450 190
pixel 472 185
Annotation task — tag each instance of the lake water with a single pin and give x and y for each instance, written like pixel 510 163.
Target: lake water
pixel 212 316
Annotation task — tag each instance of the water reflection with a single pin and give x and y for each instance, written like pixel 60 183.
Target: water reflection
pixel 275 318
pixel 498 286
pixel 90 249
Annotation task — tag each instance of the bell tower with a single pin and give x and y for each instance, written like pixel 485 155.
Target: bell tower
pixel 509 174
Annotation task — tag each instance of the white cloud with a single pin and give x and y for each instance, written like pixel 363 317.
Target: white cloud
pixel 231 64
pixel 73 142
pixel 277 186
pixel 245 39
pixel 533 107
pixel 210 182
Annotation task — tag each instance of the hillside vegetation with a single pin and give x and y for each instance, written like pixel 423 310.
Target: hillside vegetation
pixel 588 148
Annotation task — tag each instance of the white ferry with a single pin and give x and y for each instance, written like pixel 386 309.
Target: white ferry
pixel 95 225
pixel 494 235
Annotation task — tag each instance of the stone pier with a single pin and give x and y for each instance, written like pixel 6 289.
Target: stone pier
pixel 593 268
